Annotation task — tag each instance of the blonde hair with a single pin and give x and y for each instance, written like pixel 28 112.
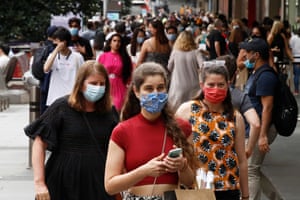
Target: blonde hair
pixel 185 41
pixel 276 27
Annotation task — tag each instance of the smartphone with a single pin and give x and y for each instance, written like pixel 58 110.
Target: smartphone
pixel 173 153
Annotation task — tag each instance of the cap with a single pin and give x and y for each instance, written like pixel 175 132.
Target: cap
pixel 51 30
pixel 255 44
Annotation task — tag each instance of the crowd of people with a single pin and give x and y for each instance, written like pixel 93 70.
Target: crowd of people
pixel 122 94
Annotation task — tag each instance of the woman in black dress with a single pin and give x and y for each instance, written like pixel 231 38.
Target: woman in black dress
pixel 76 129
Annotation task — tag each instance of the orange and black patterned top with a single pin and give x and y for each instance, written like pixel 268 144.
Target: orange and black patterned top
pixel 213 139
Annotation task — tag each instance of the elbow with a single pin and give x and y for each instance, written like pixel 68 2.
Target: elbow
pixel 255 125
pixel 46 70
pixel 109 189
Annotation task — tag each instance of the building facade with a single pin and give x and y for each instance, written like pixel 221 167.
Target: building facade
pixel 253 9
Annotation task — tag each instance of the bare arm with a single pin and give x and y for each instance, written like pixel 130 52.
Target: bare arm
pixel 143 52
pixel 267 104
pixel 240 150
pixel 49 62
pixel 218 48
pixel 254 122
pixel 38 160
pixel 287 48
pixel 117 181
pixel 241 59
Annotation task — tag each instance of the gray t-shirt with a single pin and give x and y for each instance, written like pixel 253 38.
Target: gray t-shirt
pixel 240 100
pixel 242 103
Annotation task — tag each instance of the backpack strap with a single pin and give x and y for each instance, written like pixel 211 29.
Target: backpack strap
pixel 257 74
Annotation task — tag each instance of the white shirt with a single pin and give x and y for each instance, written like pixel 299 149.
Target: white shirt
pixel 3 62
pixel 295 46
pixel 64 69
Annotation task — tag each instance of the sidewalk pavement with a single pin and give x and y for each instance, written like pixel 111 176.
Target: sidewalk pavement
pixel 281 165
pixel 16 180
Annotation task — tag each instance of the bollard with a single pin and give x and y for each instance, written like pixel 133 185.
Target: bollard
pixel 34 113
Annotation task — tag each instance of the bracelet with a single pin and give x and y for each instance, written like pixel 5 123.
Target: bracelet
pixel 246 197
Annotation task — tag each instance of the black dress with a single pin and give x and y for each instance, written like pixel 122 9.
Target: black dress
pixel 75 169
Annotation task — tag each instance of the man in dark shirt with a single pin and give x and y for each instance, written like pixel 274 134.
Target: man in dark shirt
pixel 217 43
pixel 78 43
pixel 261 91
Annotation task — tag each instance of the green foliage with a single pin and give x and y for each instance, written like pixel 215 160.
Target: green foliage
pixel 126 5
pixel 27 20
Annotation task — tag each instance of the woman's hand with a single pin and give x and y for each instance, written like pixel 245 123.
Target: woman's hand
pixel 41 192
pixel 155 167
pixel 175 164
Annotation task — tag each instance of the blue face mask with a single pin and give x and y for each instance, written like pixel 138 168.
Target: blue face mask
pixel 93 92
pixel 248 64
pixel 140 40
pixel 154 102
pixel 171 37
pixel 74 31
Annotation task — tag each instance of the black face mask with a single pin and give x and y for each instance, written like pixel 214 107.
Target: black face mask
pixel 255 36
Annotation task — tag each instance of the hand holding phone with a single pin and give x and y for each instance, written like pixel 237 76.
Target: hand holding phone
pixel 174 153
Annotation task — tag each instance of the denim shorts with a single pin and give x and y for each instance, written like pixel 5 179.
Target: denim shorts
pixel 130 196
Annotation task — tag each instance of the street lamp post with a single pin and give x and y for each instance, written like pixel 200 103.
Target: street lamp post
pixel 105 8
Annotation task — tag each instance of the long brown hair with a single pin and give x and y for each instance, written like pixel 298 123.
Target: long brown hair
pixel 161 40
pixel 76 98
pixel 132 107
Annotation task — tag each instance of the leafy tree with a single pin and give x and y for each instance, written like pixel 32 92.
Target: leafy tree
pixel 126 5
pixel 28 20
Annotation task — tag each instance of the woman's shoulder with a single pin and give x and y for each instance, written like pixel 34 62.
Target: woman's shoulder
pixel 184 110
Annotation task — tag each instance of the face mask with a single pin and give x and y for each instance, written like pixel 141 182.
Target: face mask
pixel 154 102
pixel 248 64
pixel 171 37
pixel 74 31
pixel 214 95
pixel 140 40
pixel 93 92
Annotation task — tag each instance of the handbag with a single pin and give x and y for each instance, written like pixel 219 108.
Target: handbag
pixel 189 194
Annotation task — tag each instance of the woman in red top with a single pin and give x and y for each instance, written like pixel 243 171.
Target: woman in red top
pixel 137 160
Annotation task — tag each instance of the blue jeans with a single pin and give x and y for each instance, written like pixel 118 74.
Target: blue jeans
pixel 296 68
